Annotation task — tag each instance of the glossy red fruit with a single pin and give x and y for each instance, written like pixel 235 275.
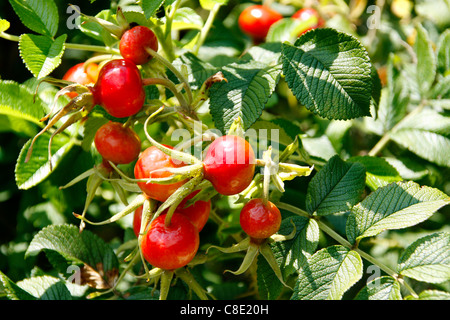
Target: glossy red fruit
pixel 306 13
pixel 133 43
pixel 78 74
pixel 229 164
pixel 119 88
pixel 116 143
pixel 170 247
pixel 256 20
pixel 259 220
pixel 152 159
pixel 198 212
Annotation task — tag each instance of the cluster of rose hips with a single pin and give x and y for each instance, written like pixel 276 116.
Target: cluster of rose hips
pixel 256 20
pixel 228 164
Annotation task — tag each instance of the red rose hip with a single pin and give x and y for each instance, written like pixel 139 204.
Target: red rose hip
pixel 116 143
pixel 260 220
pixel 119 88
pixel 229 164
pixel 256 20
pixel 170 247
pixel 134 41
pixel 152 159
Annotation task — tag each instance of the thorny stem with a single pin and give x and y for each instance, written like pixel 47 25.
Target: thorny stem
pixel 333 234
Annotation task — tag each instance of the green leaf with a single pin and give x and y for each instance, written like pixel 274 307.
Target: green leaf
pixel 13 291
pixel 198 71
pixel 328 274
pixel 186 18
pixel 41 16
pixel 150 7
pixel 395 206
pixel 329 72
pixel 249 85
pixel 17 101
pixel 427 259
pixel 427 134
pixel 41 54
pixel 4 25
pixel 46 288
pixel 209 4
pixel 431 295
pixel 382 288
pixel 426 60
pixel 277 131
pixel 336 187
pixel 34 171
pixel 443 52
pixel 379 172
pixel 100 264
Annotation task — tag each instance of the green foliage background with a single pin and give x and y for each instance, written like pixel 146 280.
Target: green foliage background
pixel 418 151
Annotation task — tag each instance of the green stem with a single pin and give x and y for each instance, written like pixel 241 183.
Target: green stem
pixel 171 86
pixel 74 46
pixel 177 73
pixel 205 30
pixel 386 137
pixel 333 234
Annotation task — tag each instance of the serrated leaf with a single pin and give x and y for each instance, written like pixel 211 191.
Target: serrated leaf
pixel 290 254
pixel 379 172
pixel 13 291
pixel 267 53
pixel 249 85
pixel 329 72
pixel 336 187
pixel 426 60
pixel 150 7
pixel 395 206
pixel 382 288
pixel 46 288
pixel 427 134
pixel 38 167
pixel 41 16
pixel 427 259
pixel 41 54
pixel 330 272
pixel 100 264
pixel 198 70
pixel 18 101
pixel 428 145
